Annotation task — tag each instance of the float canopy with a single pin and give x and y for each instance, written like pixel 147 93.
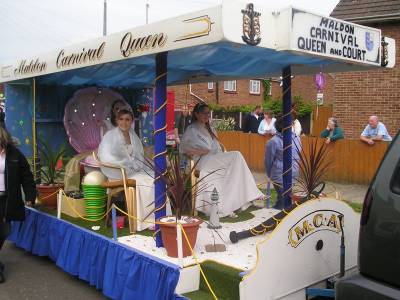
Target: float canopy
pixel 229 41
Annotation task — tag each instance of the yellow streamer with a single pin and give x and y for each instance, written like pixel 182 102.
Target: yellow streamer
pixel 197 262
pixel 78 214
pixel 159 77
pixel 160 129
pixel 34 146
pixel 161 107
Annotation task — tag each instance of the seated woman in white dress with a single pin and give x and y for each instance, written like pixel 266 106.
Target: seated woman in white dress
pixel 233 180
pixel 122 147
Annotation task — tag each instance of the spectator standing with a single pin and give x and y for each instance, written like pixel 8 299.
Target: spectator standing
pixel 2 116
pixel 273 160
pixel 267 125
pixel 182 121
pixel 14 174
pixel 375 131
pixel 332 132
pixel 296 125
pixel 252 121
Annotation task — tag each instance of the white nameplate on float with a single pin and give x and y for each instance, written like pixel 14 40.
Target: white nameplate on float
pixel 335 38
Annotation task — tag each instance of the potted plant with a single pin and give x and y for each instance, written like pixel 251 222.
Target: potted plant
pixel 179 192
pixel 50 173
pixel 314 162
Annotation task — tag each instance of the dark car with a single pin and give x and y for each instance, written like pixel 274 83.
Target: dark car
pixel 379 240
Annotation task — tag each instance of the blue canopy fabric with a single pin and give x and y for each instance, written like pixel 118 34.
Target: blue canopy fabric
pixel 215 61
pixel 121 272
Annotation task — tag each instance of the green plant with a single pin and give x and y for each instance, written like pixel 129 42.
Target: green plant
pixel 49 158
pixel 302 107
pixel 274 105
pixel 215 107
pixel 313 162
pixel 235 108
pixel 267 83
pixel 224 124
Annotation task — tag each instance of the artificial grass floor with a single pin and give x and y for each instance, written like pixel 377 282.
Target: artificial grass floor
pixel 223 280
pixel 107 231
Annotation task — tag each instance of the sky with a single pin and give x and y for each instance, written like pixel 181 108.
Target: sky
pixel 28 27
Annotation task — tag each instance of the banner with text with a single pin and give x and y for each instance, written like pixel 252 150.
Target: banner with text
pixel 335 38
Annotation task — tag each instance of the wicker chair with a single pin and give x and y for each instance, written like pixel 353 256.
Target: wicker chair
pixel 114 187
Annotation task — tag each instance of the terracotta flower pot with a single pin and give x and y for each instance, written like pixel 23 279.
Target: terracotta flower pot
pixel 168 234
pixel 48 194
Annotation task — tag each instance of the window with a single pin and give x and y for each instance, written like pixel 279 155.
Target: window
pixel 210 85
pixel 255 87
pixel 230 86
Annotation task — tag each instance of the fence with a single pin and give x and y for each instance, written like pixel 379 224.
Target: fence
pixel 320 118
pixel 353 160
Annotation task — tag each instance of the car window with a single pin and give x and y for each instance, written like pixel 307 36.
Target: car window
pixel 395 181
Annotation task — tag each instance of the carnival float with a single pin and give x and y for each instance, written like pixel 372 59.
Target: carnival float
pixel 67 94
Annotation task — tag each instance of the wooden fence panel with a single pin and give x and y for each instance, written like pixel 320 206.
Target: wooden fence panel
pixel 320 119
pixel 257 151
pixel 353 160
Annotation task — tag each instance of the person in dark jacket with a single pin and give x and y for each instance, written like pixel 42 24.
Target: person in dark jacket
pixel 2 116
pixel 14 173
pixel 252 121
pixel 332 132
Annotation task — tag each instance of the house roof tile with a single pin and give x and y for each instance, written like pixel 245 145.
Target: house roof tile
pixel 373 10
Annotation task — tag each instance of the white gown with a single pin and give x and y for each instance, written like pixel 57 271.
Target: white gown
pixel 114 150
pixel 233 180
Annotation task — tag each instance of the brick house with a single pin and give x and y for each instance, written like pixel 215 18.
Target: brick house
pixel 247 91
pixel 354 96
pixel 360 94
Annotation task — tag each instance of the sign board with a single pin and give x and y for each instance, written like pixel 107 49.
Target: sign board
pixel 302 250
pixel 197 28
pixel 335 38
pixel 320 99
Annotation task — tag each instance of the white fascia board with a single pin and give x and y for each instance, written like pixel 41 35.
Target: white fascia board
pixel 232 24
pixel 197 28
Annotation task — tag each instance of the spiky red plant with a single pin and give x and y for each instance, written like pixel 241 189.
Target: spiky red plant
pixel 314 162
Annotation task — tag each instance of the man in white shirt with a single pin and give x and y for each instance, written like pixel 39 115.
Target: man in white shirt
pixel 375 131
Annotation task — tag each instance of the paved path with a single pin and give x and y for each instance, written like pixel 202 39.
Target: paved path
pixel 348 192
pixel 29 277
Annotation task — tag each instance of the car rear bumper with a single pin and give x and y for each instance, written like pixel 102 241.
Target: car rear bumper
pixel 360 287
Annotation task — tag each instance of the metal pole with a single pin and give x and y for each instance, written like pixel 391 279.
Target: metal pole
pixel 34 142
pixel 287 135
pixel 105 18
pixel 342 248
pixel 147 13
pixel 160 137
pixel 114 222
pixel 59 204
pixel 268 194
pixel 179 243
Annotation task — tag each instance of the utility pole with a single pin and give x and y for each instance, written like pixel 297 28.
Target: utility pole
pixel 105 18
pixel 147 13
